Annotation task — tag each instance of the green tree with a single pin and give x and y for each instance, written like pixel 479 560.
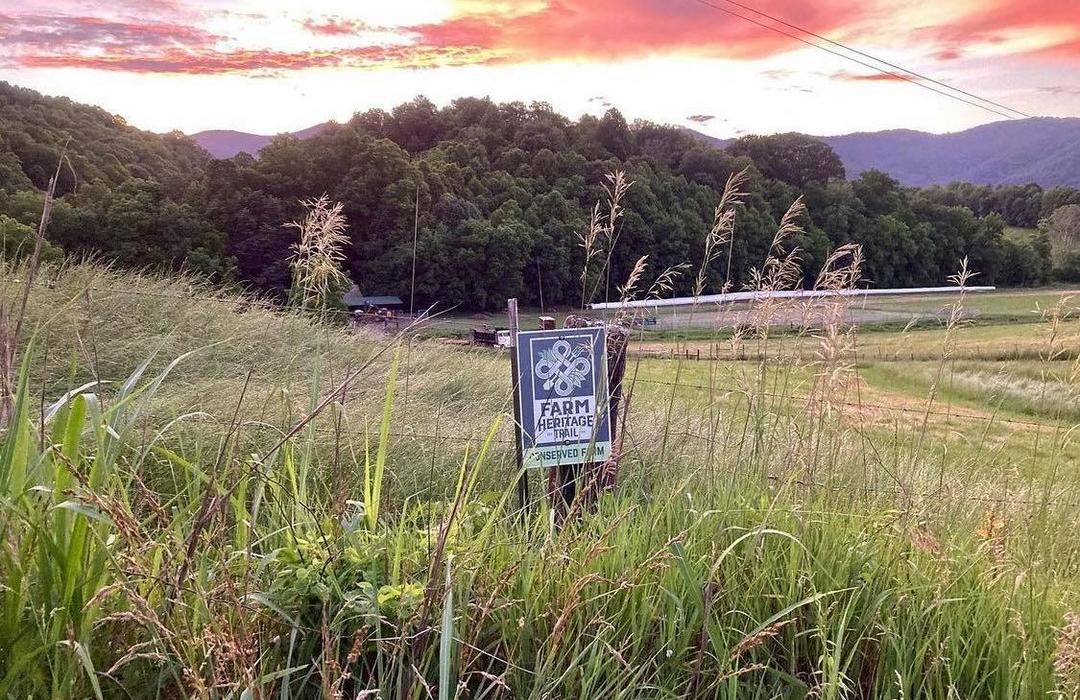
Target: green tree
pixel 1068 269
pixel 1025 259
pixel 792 158
pixel 1063 226
pixel 18 242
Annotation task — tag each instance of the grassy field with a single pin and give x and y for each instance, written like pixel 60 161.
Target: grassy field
pixel 1018 304
pixel 249 503
pixel 871 314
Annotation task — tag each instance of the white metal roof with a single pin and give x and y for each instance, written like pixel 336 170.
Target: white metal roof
pixel 791 294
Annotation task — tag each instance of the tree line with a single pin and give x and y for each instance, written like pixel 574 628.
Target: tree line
pixel 496 195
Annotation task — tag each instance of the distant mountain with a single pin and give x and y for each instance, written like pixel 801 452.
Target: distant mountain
pixel 224 143
pixel 711 140
pixel 1044 150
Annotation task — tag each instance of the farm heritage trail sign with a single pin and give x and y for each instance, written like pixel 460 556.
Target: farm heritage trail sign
pixel 562 395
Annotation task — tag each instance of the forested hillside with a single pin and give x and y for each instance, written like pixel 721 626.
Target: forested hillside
pixel 503 190
pixel 100 146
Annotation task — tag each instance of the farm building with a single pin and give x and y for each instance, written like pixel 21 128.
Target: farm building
pixel 354 300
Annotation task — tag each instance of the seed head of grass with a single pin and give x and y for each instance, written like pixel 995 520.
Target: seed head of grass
pixel 753 641
pixel 603 228
pixel 629 290
pixel 665 281
pixel 317 256
pixel 588 239
pixel 616 189
pixel 723 228
pixel 1067 655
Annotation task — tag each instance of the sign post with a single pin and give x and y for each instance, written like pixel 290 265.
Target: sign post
pixel 515 370
pixel 562 400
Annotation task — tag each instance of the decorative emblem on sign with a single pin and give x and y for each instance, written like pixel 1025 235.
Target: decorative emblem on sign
pixel 563 368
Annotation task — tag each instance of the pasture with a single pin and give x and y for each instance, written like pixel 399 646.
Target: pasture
pixel 255 503
pixel 870 314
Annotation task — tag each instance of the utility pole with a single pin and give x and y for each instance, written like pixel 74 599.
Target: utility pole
pixel 540 285
pixel 415 231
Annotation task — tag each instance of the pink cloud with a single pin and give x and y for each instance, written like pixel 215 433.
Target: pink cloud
pixel 62 33
pixel 949 54
pixel 210 62
pixel 339 26
pixel 158 40
pixel 596 30
pixel 991 22
pixel 867 77
pixel 618 29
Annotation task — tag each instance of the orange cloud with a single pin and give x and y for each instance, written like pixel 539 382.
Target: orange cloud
pixel 1051 26
pixel 496 31
pixel 619 29
pixel 211 62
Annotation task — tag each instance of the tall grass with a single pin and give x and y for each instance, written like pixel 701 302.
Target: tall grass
pixel 243 522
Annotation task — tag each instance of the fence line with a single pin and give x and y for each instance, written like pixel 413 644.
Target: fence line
pixel 712 354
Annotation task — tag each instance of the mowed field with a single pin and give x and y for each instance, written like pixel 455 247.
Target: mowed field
pixel 260 503
pixel 1003 305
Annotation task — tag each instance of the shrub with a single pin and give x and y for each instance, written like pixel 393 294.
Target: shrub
pixel 18 241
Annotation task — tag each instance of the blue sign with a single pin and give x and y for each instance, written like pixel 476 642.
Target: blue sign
pixel 563 397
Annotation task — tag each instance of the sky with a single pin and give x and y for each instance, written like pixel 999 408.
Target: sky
pixel 267 66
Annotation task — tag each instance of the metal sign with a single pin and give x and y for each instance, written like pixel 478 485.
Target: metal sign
pixel 562 397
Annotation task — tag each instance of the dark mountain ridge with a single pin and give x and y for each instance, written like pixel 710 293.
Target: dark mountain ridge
pixel 226 143
pixel 1043 150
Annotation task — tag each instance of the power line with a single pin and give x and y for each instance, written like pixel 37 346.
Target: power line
pixel 905 76
pixel 874 58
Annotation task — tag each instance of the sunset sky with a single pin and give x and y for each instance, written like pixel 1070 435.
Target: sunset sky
pixel 275 65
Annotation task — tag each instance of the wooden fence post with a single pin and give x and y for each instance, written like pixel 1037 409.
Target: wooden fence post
pixel 565 493
pixel 523 476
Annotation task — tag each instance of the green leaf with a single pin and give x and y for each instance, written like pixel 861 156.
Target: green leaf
pixel 446 639
pixel 83 509
pixel 88 666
